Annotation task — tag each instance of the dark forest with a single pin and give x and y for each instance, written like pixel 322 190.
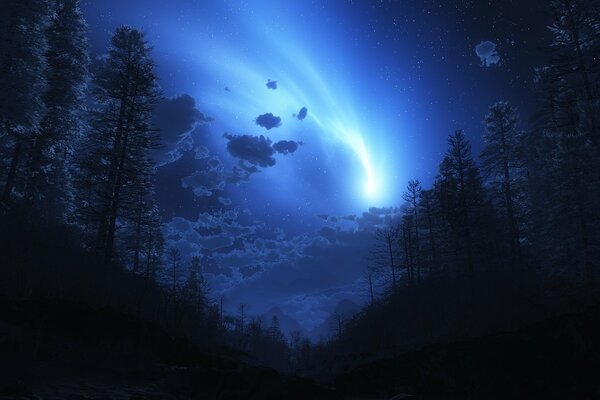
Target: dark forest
pixel 479 278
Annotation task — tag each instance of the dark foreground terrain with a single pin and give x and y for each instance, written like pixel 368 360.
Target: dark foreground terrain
pixel 63 350
pixel 556 358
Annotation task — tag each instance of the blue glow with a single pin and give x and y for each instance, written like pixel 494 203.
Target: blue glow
pixel 329 93
pixel 355 152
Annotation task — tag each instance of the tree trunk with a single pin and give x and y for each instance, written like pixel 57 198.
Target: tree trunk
pixel 138 239
pixel 431 235
pixel 407 259
pixel 118 183
pixel 391 251
pixel 465 214
pixel 12 171
pixel 417 249
pixel 114 207
pixel 580 59
pixel 514 233
pixel 370 278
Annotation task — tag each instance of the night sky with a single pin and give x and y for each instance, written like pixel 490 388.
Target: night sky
pixel 352 99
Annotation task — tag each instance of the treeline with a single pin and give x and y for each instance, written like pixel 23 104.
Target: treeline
pixel 78 211
pixel 77 147
pixel 78 162
pixel 508 239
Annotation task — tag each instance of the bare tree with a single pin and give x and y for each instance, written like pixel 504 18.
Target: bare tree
pixel 411 196
pixel 175 263
pixel 407 245
pixel 338 323
pixel 426 204
pixel 384 256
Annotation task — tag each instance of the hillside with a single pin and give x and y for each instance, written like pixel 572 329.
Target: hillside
pixel 555 358
pixel 60 349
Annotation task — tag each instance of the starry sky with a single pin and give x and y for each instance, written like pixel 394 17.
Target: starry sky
pixel 290 129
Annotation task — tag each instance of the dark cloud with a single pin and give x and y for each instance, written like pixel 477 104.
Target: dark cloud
pixel 286 146
pixel 248 271
pixel 209 230
pixel 328 233
pixel 241 172
pixel 268 121
pixel 302 113
pixel 486 51
pixel 209 177
pixel 271 84
pixel 175 118
pixel 173 199
pixel 256 150
pixel 210 266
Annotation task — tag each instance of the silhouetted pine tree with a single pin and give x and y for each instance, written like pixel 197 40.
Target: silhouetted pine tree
pixel 563 168
pixel 117 167
pixel 406 245
pixel 140 212
pixel 174 272
pixel 466 178
pixel 195 287
pixel 575 50
pixel 49 182
pixel 152 245
pixel 23 46
pixel 428 207
pixel 575 39
pixel 502 164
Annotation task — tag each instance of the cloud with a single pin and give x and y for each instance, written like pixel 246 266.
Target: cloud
pixel 175 200
pixel 248 271
pixel 302 113
pixel 271 84
pixel 486 51
pixel 256 150
pixel 241 172
pixel 268 121
pixel 208 178
pixel 328 233
pixel 286 146
pixel 175 118
pixel 226 201
pixel 210 266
